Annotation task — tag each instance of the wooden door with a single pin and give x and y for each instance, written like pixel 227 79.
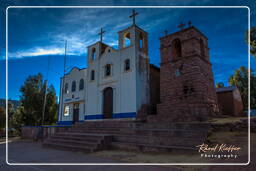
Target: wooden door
pixel 75 112
pixel 108 102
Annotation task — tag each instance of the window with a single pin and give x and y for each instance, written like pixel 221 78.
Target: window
pixel 73 86
pixel 66 110
pixel 92 75
pixel 176 48
pixel 108 70
pixel 127 65
pixel 127 39
pixel 81 84
pixel 66 88
pixel 141 41
pixel 202 47
pixel 93 54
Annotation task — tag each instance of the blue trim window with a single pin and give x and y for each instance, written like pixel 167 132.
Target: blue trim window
pixel 107 70
pixel 127 66
pixel 81 84
pixel 73 86
pixel 92 75
pixel 66 88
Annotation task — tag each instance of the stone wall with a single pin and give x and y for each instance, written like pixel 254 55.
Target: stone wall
pixel 230 102
pixel 41 132
pixel 154 77
pixel 187 89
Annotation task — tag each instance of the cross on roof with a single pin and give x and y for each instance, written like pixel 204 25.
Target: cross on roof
pixel 165 32
pixel 134 13
pixel 101 34
pixel 190 23
pixel 181 26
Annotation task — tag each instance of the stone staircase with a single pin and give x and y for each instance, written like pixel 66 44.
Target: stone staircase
pixel 77 141
pixel 91 136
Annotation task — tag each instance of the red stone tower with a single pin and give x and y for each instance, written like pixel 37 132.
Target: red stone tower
pixel 187 90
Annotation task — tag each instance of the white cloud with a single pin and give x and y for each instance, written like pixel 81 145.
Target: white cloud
pixel 37 52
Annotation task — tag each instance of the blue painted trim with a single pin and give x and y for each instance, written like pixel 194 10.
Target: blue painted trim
pixel 88 117
pixel 125 115
pixel 115 116
pixel 65 122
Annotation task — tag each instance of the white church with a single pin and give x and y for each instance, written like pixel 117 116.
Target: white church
pixel 115 84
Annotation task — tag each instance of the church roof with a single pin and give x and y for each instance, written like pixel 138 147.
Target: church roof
pixel 184 30
pixel 154 66
pixel 226 89
pixel 131 27
pixel 99 43
pixel 79 69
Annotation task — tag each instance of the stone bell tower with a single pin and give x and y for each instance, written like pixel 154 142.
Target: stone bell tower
pixel 187 91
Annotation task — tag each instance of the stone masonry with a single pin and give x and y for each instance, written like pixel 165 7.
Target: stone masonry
pixel 187 90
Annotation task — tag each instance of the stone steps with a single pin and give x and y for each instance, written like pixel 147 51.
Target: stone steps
pixel 143 132
pixel 77 141
pixel 89 139
pixel 166 141
pixel 114 125
pixel 68 147
pixel 96 135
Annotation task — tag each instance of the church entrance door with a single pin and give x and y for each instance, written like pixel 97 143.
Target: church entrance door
pixel 108 102
pixel 76 112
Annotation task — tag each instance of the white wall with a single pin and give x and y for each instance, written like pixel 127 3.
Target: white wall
pixel 73 97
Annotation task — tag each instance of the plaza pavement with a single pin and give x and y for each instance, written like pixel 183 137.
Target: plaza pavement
pixel 32 152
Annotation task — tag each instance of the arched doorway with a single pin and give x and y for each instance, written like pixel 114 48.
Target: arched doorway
pixel 108 102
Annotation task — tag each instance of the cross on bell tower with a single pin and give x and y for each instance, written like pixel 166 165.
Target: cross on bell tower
pixel 101 34
pixel 165 32
pixel 134 13
pixel 181 26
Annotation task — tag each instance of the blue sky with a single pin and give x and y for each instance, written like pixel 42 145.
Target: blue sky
pixel 37 36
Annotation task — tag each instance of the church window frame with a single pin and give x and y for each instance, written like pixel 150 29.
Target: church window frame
pixel 73 87
pixel 93 55
pixel 81 84
pixel 92 75
pixel 127 65
pixel 108 70
pixel 66 88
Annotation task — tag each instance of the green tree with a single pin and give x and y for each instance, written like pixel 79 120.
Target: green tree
pixel 240 80
pixel 2 118
pixel 252 40
pixel 32 100
pixel 18 119
pixel 220 85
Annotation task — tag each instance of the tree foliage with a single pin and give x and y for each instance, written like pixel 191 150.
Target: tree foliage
pixel 2 118
pixel 240 80
pixel 252 42
pixel 30 110
pixel 220 85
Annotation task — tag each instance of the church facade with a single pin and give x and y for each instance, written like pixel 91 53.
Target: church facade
pixel 120 83
pixel 114 85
